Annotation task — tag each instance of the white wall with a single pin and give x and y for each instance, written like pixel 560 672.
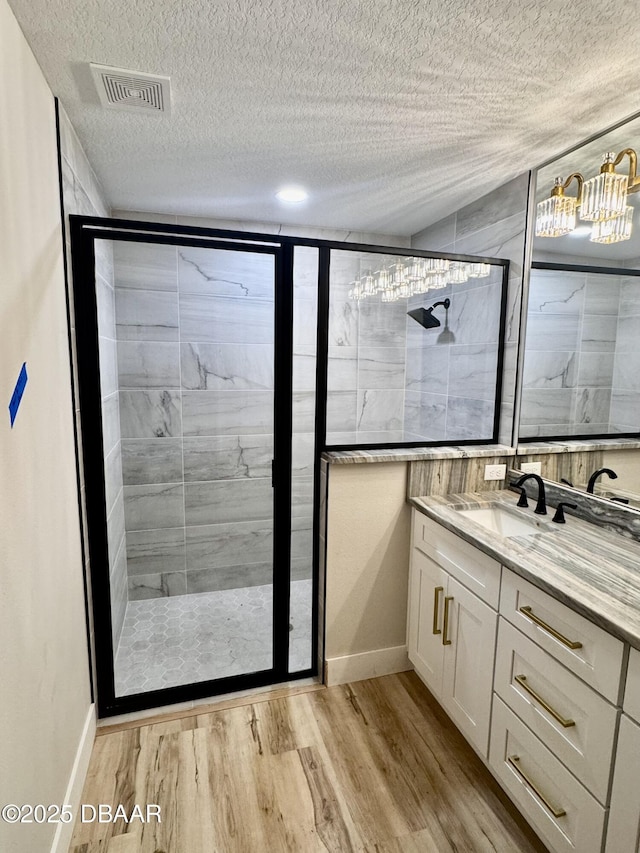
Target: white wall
pixel 368 533
pixel 45 700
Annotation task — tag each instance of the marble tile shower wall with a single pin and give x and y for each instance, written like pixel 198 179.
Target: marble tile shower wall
pixel 83 195
pixel 450 387
pixel 572 329
pixel 494 226
pixel 196 377
pixel 625 391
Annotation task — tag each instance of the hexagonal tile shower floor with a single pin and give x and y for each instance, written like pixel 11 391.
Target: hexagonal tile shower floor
pixel 183 639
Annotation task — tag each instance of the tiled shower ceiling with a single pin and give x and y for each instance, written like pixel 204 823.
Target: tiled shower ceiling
pixel 391 114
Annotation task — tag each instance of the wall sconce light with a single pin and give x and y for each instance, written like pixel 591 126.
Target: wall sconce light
pixel 601 200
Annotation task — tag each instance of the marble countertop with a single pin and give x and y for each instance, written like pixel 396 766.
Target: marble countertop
pixel 588 568
pixel 416 454
pixel 576 445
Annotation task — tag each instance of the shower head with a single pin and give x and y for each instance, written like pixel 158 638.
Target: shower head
pixel 425 317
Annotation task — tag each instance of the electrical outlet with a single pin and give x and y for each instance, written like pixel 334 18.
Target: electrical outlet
pixel 495 472
pixel 531 467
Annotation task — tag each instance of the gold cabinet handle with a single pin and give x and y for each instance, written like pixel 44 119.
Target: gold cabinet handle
pixel 570 644
pixel 436 607
pixel 513 761
pixel 445 625
pixel 522 681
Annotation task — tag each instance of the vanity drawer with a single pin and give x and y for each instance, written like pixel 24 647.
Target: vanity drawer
pixel 570 718
pixel 588 651
pixel 469 565
pixel 562 811
pixel 632 690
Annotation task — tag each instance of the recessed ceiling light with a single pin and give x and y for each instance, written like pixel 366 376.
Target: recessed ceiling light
pixel 292 195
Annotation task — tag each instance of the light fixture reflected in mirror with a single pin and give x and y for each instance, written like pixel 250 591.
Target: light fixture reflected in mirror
pixel 601 200
pixel 408 277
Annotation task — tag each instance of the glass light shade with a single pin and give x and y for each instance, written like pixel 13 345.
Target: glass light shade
pixel 603 197
pixel 458 274
pixel 479 270
pixel 416 269
pixel 613 230
pixel 556 216
pixel 368 284
pixel 384 280
pixel 438 280
pixel 399 274
pixel 435 265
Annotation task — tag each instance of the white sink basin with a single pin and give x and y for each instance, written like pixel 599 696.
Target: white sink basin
pixel 502 521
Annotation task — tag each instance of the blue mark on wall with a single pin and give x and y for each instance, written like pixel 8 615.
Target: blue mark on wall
pixel 18 391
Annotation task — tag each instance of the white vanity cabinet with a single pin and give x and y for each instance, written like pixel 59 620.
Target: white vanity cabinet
pixel 623 834
pixel 452 630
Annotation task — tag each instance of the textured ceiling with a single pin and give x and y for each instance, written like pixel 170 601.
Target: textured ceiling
pixel 392 113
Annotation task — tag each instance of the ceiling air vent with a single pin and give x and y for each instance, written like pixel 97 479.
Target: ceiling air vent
pixel 119 88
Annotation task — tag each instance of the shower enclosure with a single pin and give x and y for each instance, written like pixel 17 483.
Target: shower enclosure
pixel 213 369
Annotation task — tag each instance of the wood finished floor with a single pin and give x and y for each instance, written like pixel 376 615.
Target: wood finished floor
pixel 374 767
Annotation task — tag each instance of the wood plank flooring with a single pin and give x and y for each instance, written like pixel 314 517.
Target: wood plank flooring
pixel 369 767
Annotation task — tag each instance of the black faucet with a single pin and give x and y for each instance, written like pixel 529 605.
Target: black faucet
pixel 596 474
pixel 559 516
pixel 541 506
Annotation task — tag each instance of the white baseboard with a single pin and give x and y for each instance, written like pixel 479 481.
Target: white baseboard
pixel 73 795
pixel 366 665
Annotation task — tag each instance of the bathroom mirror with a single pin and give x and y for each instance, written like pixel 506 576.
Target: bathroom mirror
pixel 581 365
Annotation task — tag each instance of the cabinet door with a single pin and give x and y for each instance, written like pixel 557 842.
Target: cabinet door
pixel 427 588
pixel 468 663
pixel 624 816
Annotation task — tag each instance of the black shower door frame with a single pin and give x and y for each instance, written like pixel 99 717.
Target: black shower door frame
pixel 84 231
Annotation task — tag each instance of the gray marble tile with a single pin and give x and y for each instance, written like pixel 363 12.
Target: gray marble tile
pixel 556 292
pixel 227 457
pixel 546 406
pixel 222 319
pixel 603 294
pixel 145 265
pixel 113 477
pixel 150 414
pixel 305 271
pixel 629 296
pixel 343 322
pixel 391 436
pixel 342 371
pixel 115 529
pixel 501 239
pixel 625 409
pixel 157 585
pixel 514 303
pixel 382 323
pixel 105 308
pixel 118 594
pixel 381 367
pixel 304 368
pixel 341 412
pixel 247 412
pixel 229 577
pixel 552 332
pixel 302 497
pixel 222 272
pixel 301 538
pixel 473 371
pixel 380 410
pixel 214 545
pixel 152 461
pixel 596 369
pixel 428 369
pixel 628 337
pixel 598 333
pixel 474 316
pixel 146 315
pixel 303 450
pixel 147 364
pixel 440 235
pixel 305 313
pixel 227 367
pixel 555 369
pixel 469 419
pixel 224 501
pixel 425 415
pixel 110 423
pixel 509 200
pixel 592 405
pixel 304 410
pixel 108 358
pixel 153 506
pixel 155 551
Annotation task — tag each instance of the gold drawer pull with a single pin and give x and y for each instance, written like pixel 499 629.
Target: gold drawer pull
pixel 445 627
pixel 436 605
pixel 513 761
pixel 570 644
pixel 522 681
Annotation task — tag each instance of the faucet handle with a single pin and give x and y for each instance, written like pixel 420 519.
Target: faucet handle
pixel 559 516
pixel 522 500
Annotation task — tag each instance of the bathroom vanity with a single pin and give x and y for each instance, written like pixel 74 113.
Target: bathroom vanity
pixel 528 633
